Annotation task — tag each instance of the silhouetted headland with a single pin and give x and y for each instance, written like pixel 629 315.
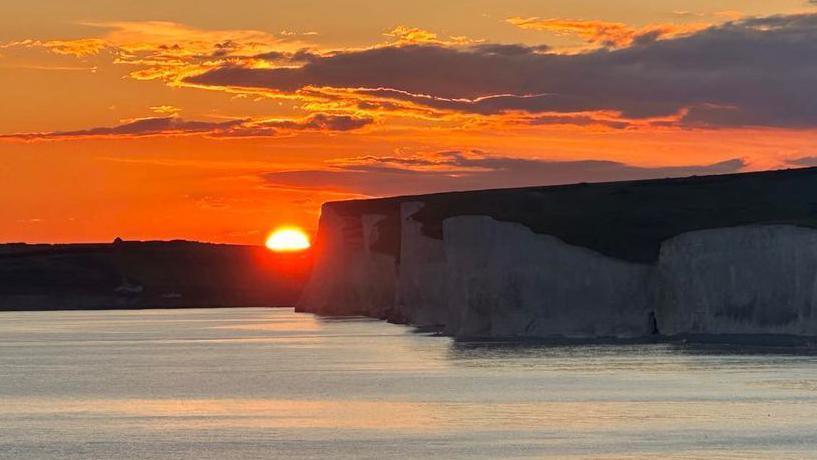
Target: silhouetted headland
pixel 155 274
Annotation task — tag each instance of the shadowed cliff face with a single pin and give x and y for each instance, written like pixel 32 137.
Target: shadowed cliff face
pixel 350 276
pixel 422 285
pixel 623 260
pixel 740 280
pixel 504 281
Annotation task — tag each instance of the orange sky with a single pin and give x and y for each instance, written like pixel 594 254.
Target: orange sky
pixel 196 120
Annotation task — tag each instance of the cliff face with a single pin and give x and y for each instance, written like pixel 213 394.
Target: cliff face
pixel 743 280
pixel 423 273
pixel 349 277
pixel 738 259
pixel 507 281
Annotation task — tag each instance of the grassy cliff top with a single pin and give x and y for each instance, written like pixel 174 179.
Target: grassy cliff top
pixel 626 220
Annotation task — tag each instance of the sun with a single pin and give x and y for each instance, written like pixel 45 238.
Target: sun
pixel 288 239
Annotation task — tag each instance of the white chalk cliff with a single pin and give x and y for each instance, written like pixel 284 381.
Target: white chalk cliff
pixel 741 280
pixel 506 281
pixel 349 278
pixel 423 273
pixel 487 278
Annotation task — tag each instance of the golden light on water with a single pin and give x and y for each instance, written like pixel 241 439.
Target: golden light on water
pixel 288 239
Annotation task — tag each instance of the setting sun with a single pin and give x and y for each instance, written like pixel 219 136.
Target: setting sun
pixel 288 239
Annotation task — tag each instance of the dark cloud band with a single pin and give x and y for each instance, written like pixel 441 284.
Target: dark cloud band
pixel 169 126
pixel 754 72
pixel 455 170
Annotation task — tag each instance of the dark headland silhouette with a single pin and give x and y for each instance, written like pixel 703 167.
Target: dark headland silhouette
pixel 153 274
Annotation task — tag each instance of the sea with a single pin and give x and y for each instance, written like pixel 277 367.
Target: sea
pixel 272 383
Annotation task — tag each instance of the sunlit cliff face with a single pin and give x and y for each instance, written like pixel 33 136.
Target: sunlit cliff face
pixel 208 124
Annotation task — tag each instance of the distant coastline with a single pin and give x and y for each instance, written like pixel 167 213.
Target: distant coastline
pixel 131 275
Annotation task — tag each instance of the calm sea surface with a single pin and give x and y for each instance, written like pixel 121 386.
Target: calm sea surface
pixel 256 383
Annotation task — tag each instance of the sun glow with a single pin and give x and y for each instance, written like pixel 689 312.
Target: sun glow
pixel 288 239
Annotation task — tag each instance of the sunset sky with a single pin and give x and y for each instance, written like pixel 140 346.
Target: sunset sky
pixel 218 121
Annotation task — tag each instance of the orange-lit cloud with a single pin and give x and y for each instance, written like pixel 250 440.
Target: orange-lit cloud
pixel 176 40
pixel 79 48
pixel 726 75
pixel 652 76
pixel 404 35
pixel 168 50
pixel 603 33
pixel 165 109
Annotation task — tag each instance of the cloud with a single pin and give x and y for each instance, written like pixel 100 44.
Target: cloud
pixel 151 126
pixel 300 56
pixel 176 39
pixel 803 162
pixel 751 72
pixel 404 35
pixel 165 109
pixel 456 170
pixel 175 126
pixel 170 51
pixel 603 33
pixel 323 122
pixel 320 122
pixel 78 48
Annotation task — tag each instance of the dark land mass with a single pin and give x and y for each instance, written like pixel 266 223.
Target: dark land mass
pixel 625 220
pixel 155 274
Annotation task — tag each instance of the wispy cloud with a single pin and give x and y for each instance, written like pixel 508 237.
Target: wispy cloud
pixel 405 35
pixel 165 109
pixel 152 126
pixel 459 170
pixel 803 162
pixel 608 34
pixel 78 48
pixel 168 50
pixel 175 126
